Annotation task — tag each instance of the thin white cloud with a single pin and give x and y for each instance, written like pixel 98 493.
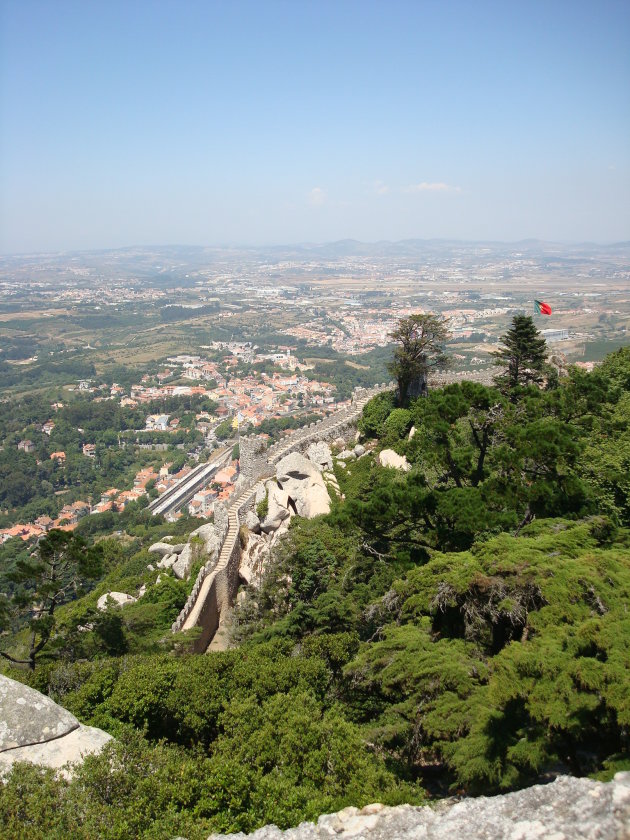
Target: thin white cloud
pixel 435 186
pixel 317 197
pixel 380 188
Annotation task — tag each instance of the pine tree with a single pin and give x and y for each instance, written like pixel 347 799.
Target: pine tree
pixel 523 355
pixel 53 574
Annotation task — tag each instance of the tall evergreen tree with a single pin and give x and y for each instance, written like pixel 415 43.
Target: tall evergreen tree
pixel 522 356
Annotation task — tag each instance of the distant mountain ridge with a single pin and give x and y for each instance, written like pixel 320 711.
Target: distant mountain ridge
pixel 344 248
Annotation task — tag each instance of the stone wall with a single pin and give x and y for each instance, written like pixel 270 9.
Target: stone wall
pixel 217 581
pixel 203 573
pixel 256 462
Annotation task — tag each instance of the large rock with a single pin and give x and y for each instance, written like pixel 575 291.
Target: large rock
pixel 182 566
pixel 119 599
pixel 252 521
pixel 294 466
pixel 208 534
pixel 319 454
pixel 34 728
pixel 304 486
pixel 347 455
pixel 204 532
pixel 277 500
pixel 165 548
pixel 389 458
pixel 167 561
pixel 253 558
pixel 566 809
pixel 272 523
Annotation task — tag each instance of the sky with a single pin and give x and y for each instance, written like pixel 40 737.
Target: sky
pixel 283 121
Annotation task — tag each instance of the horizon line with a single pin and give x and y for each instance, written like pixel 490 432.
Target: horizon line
pixel 318 244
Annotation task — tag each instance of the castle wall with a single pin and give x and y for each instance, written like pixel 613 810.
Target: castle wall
pixel 217 582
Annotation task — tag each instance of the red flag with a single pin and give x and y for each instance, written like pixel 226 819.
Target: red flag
pixel 542 308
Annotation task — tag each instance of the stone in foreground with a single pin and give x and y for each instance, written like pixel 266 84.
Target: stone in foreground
pixel 566 809
pixel 34 728
pixel 389 458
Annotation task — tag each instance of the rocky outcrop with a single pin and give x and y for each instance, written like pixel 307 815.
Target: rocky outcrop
pixel 252 521
pixel 300 488
pixel 183 565
pixel 165 548
pixel 210 537
pixel 319 454
pixel 34 728
pixel 559 362
pixel 180 557
pixel 118 599
pixel 303 483
pixel 166 562
pixel 253 557
pixel 389 458
pixel 566 809
pixel 331 481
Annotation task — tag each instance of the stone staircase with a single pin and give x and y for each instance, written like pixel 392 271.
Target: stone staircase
pixel 217 582
pixel 229 543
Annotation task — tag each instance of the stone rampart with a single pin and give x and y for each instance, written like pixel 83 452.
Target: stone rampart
pixel 217 581
pixel 203 573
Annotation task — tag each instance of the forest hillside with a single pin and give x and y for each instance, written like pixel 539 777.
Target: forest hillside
pixel 458 626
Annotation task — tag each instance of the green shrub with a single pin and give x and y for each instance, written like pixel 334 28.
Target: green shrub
pixel 262 508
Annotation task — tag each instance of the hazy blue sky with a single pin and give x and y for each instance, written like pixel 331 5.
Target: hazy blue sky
pixel 265 122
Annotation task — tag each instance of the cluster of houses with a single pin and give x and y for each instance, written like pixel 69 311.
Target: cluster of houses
pixel 202 504
pixel 89 450
pixel 253 398
pixel 70 514
pixel 67 520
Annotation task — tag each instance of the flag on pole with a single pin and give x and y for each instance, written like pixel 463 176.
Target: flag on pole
pixel 542 308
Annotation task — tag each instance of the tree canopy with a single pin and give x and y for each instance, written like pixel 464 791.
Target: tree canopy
pixel 53 573
pixel 419 348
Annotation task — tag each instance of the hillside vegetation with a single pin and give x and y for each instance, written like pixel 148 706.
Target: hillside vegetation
pixel 460 627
